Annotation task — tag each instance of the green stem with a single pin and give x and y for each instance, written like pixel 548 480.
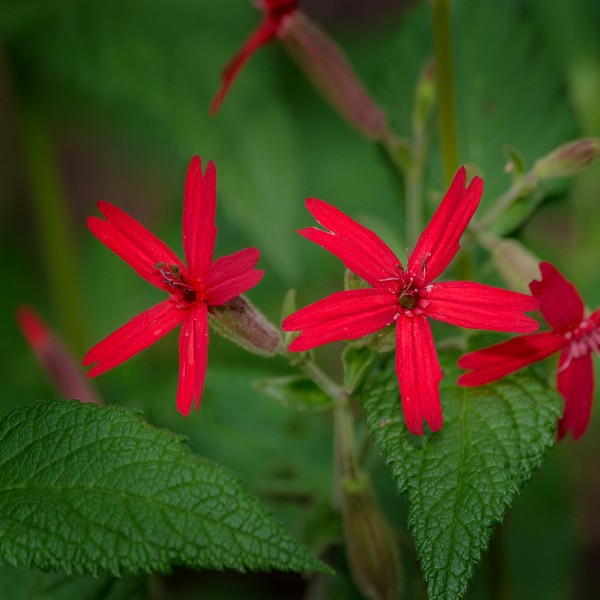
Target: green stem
pixel 346 459
pixel 521 186
pixel 414 208
pixel 442 33
pixel 56 244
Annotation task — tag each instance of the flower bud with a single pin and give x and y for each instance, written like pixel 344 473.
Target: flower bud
pixel 326 65
pixel 569 159
pixel 372 550
pixel 56 360
pixel 516 265
pixel 241 322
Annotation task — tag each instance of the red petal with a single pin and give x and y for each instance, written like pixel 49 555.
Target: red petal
pixel 130 240
pixel 281 7
pixel 232 275
pixel 199 207
pixel 560 302
pixel 418 373
pixel 263 34
pixel 341 316
pixel 479 306
pixel 139 333
pixel 576 384
pixel 439 242
pixel 361 250
pixel 497 361
pixel 193 358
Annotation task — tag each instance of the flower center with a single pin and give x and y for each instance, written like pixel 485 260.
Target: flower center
pixel 412 300
pixel 408 301
pixel 584 339
pixel 184 293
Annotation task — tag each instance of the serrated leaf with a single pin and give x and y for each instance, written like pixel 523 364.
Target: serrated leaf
pixel 89 490
pixel 461 480
pixel 295 391
pixel 25 584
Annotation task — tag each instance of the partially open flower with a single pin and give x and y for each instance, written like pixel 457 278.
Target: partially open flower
pixel 573 334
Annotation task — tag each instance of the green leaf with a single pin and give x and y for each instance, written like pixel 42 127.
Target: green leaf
pixel 357 361
pixel 24 584
pixel 98 490
pixel 295 391
pixel 460 481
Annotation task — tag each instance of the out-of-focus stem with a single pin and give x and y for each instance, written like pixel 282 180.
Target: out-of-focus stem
pixel 56 244
pixel 521 186
pixel 413 185
pixel 442 34
pixel 370 544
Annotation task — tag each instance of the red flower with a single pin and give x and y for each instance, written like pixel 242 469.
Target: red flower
pixel 406 296
pixel 574 335
pixel 192 289
pixel 275 11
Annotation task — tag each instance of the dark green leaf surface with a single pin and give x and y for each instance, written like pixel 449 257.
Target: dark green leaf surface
pixel 97 490
pixel 461 480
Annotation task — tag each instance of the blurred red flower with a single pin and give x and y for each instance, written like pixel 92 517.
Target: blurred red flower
pixel 274 13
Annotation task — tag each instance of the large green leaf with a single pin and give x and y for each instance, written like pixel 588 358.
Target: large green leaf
pixel 98 490
pixel 460 481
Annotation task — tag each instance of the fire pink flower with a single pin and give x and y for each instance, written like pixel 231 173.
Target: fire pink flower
pixel 406 296
pixel 275 11
pixel 572 333
pixel 192 288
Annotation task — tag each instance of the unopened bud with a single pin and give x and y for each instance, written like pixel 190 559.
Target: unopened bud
pixel 326 65
pixel 569 159
pixel 241 322
pixel 516 265
pixel 56 360
pixel 372 550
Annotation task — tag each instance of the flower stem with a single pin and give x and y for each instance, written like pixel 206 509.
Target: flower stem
pixel 370 543
pixel 57 245
pixel 442 33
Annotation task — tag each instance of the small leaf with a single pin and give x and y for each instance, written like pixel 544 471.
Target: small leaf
pixel 461 480
pixel 357 361
pixel 24 584
pixel 295 391
pixel 96 490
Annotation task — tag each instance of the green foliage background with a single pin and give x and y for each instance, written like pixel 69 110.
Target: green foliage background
pixel 111 98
